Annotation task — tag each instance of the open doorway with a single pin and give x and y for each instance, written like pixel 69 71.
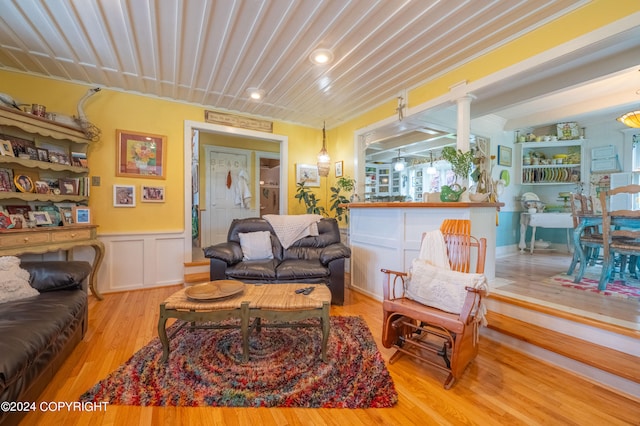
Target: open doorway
pixel 268 183
pixel 254 142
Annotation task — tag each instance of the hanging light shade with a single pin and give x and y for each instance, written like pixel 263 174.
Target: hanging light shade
pixel 399 163
pixel 631 119
pixel 324 161
pixel 431 170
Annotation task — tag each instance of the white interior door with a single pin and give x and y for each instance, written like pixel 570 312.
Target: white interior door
pixel 223 192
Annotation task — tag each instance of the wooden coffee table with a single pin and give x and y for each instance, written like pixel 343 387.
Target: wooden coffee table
pixel 277 303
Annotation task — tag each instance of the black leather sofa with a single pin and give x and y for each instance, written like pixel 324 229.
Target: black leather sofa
pixel 313 259
pixel 38 333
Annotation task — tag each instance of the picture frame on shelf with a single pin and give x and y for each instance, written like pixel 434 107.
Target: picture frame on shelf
pixel 18 221
pixel 21 210
pixel 141 155
pixel 68 186
pixel 42 187
pixel 66 216
pixel 152 194
pixel 6 148
pixel 40 218
pixel 308 173
pixel 43 154
pixel 505 156
pixel 5 221
pixel 339 165
pixel 32 151
pixel 6 180
pixel 23 183
pixel 53 211
pixel 124 196
pixel 82 215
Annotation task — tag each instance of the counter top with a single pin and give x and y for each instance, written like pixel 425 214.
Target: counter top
pixel 405 204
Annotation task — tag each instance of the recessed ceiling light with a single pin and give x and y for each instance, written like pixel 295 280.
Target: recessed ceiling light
pixel 321 56
pixel 255 94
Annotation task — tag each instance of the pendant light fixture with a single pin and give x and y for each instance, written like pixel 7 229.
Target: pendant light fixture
pixel 324 161
pixel 399 164
pixel 431 170
pixel 632 118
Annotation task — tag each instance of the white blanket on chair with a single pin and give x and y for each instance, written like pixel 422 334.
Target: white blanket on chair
pixel 434 250
pixel 442 288
pixel 290 228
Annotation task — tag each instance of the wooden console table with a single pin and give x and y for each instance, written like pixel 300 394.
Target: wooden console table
pixel 14 242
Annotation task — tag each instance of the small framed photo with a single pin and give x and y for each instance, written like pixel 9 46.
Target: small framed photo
pixel 18 221
pixel 5 221
pixel 6 181
pixel 68 186
pixel 504 155
pixel 40 218
pixel 32 151
pixel 152 194
pixel 81 215
pixel 21 210
pixel 42 187
pixel 308 174
pixel 124 196
pixel 140 155
pixel 43 154
pixel 339 165
pixel 23 183
pixel 6 148
pixel 66 216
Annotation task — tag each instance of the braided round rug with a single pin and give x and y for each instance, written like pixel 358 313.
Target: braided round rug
pixel 284 370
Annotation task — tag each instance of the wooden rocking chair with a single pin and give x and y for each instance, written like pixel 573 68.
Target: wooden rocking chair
pixel 417 329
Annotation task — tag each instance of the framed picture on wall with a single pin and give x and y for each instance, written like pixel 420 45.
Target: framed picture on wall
pixel 339 168
pixel 140 154
pixel 124 196
pixel 152 194
pixel 308 174
pixel 504 156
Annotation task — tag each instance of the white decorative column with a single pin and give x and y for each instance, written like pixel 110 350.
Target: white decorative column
pixel 463 123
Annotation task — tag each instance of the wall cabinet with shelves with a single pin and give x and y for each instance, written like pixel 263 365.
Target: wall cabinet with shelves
pixel 48 161
pixel 551 163
pixel 378 181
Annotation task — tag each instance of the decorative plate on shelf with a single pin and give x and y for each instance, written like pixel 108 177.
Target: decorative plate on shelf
pixel 214 290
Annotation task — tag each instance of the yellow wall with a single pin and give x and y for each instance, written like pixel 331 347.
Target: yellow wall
pixel 110 110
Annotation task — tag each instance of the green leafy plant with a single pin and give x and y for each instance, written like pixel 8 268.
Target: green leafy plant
pixel 306 196
pixel 461 162
pixel 339 199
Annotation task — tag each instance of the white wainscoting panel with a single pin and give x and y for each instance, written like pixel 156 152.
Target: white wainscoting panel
pixel 138 261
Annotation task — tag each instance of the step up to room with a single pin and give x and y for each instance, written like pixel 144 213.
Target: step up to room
pixel 606 353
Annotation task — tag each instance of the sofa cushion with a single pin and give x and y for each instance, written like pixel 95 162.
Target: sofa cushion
pixel 256 245
pixel 54 275
pixel 301 269
pixel 34 330
pixel 253 270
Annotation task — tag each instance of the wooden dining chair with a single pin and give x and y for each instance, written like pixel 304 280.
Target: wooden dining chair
pixel 590 237
pixel 621 233
pixel 418 329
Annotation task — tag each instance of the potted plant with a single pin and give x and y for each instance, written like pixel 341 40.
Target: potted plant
pixel 306 196
pixel 461 163
pixel 339 198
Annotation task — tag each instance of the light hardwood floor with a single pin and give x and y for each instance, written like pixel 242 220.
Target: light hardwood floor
pixel 501 386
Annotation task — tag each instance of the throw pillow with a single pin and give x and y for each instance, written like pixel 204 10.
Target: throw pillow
pixel 14 281
pixel 256 245
pixel 441 288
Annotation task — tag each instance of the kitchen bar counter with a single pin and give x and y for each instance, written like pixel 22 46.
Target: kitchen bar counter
pixel 388 235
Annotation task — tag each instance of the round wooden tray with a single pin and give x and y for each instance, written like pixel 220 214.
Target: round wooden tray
pixel 214 290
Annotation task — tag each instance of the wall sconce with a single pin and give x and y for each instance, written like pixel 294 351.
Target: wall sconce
pixel 324 161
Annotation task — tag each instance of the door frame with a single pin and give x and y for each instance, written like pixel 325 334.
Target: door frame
pixel 189 128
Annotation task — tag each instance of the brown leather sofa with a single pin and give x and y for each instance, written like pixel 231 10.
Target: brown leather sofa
pixel 318 259
pixel 38 333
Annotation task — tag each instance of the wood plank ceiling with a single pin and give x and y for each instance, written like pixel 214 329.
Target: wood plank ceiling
pixel 210 52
